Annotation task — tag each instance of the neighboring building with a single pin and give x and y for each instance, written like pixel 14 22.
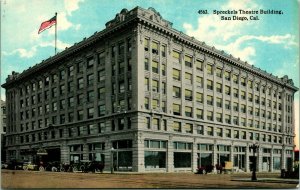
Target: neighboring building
pixel 2 127
pixel 143 96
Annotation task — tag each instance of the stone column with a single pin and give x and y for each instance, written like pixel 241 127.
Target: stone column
pixel 194 157
pixel 138 164
pixel 64 152
pixel 283 158
pixel 215 156
pixel 271 160
pixel 247 161
pixel 170 155
pixel 259 159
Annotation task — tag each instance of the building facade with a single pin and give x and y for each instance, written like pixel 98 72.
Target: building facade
pixel 142 96
pixel 2 127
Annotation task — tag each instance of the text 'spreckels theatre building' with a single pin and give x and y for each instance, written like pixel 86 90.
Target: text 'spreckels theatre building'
pixel 147 97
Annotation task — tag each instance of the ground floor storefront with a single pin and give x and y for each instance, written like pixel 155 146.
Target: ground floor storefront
pixel 156 152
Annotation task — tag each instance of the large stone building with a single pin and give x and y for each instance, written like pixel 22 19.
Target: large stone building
pixel 143 96
pixel 2 127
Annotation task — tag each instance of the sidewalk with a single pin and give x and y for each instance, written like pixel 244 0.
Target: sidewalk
pixel 269 180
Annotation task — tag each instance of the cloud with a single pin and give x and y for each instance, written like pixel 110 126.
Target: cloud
pixel 71 5
pixel 231 36
pixel 23 53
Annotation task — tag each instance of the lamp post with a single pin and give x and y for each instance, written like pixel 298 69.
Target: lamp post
pixel 254 147
pixel 112 160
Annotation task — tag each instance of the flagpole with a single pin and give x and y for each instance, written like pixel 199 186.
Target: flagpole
pixel 55 32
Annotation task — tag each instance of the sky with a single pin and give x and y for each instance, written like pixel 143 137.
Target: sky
pixel 270 43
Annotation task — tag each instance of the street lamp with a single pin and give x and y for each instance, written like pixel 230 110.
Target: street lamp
pixel 112 160
pixel 254 147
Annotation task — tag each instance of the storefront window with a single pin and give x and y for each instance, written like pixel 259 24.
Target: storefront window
pixel 276 163
pixel 205 159
pixel 155 159
pixel 182 159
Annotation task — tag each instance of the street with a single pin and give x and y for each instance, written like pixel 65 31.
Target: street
pixel 36 179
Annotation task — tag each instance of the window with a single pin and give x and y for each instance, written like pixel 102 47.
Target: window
pixel 163 87
pixel 90 96
pixel 176 55
pixel 147 121
pixel 250 84
pixel 219 132
pixel 188 111
pixel 188 95
pixel 101 58
pixel 80 83
pixel 235 106
pixel 236 134
pixel 146 84
pixel 147 103
pixel 163 106
pixel 243 95
pixel 199 65
pixel 163 69
pixel 250 110
pixel 176 74
pixel 155 86
pixel 146 64
pixel 200 129
pixel 155 103
pixel 209 69
pixel 121 86
pixel 155 124
pixel 176 109
pixel 199 113
pixel 243 122
pixel 219 87
pixel 228 133
pixel 188 78
pixel 227 90
pixel 210 85
pixel 90 62
pixel 219 102
pixel 121 67
pixel 210 131
pixel 101 110
pixel 155 67
pixel 47 80
pixel 235 120
pixel 209 100
pixel 154 48
pixel 228 119
pixel 176 92
pixel 227 75
pixel 199 97
pixel 219 72
pixel 243 81
pixel 250 97
pixel 90 112
pixel 199 82
pixel 146 44
pixel 210 115
pixel 227 104
pixel 188 61
pixel 163 51
pixel 235 78
pixel 219 117
pixel 71 71
pixel 101 93
pixel 113 51
pixel 176 126
pixel 188 128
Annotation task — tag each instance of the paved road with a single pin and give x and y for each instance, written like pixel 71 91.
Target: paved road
pixel 35 179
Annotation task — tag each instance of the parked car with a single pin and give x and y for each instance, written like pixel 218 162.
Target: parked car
pixel 30 166
pixel 15 165
pixel 4 165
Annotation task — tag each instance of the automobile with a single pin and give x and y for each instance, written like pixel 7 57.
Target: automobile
pixel 15 165
pixel 91 166
pixel 30 166
pixel 4 165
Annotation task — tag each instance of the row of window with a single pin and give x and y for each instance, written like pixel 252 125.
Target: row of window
pixel 199 64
